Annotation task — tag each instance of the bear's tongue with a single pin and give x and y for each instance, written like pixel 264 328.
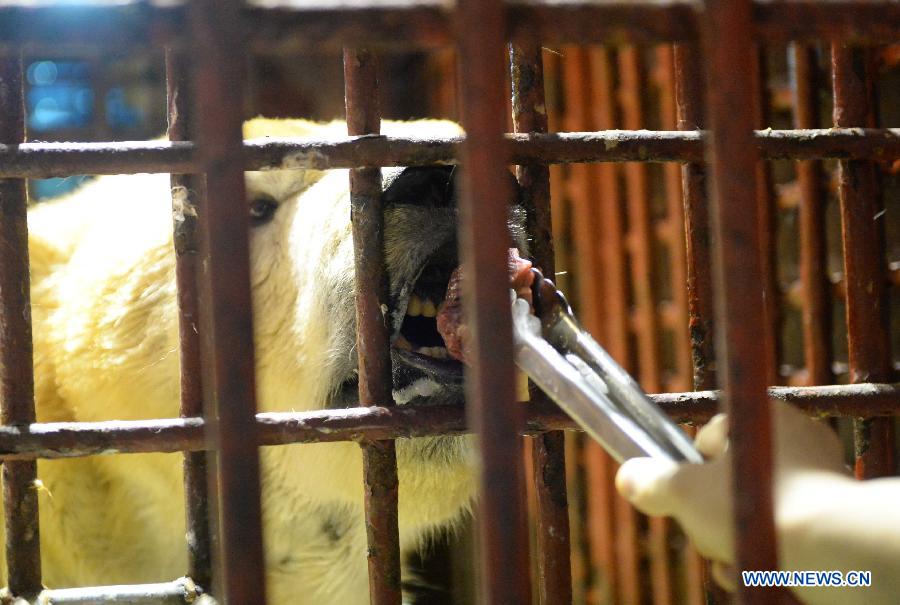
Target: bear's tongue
pixel 450 322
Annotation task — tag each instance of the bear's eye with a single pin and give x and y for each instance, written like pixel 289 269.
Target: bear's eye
pixel 262 209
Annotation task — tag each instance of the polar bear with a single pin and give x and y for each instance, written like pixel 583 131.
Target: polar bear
pixel 106 347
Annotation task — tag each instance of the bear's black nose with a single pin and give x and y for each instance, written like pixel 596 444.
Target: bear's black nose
pixel 422 186
pixel 433 186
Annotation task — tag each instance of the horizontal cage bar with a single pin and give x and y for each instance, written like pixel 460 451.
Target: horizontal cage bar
pixel 44 160
pixel 73 439
pixel 182 591
pixel 283 27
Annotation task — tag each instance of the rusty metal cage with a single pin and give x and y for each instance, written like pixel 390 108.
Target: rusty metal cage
pixel 725 270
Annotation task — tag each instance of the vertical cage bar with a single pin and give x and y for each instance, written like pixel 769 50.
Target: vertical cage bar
pixel 674 224
pixel 226 322
pixel 737 271
pixel 373 331
pixel 767 221
pixel 575 447
pixel 690 110
pixel 548 450
pixel 862 234
pixel 816 311
pixel 20 494
pixel 483 240
pixel 188 191
pixel 646 327
pixel 665 54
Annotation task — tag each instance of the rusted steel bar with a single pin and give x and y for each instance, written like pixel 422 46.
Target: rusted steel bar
pixel 640 246
pixel 20 494
pixel 282 27
pixel 188 191
pixel 675 312
pixel 291 27
pixel 530 116
pixel 816 309
pixel 588 21
pixel 674 225
pixel 503 537
pixel 44 160
pixel 807 20
pixel 737 276
pixel 765 193
pixel 529 113
pixel 183 591
pixel 579 22
pixel 689 113
pixel 373 331
pixel 579 555
pixel 226 327
pixel 75 439
pixel 606 146
pixel 862 235
pixel 839 287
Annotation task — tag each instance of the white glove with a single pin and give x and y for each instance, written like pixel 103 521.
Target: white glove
pixel 824 519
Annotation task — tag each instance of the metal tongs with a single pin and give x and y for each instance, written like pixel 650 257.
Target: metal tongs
pixel 567 364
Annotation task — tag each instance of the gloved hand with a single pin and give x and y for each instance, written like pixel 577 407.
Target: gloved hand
pixel 699 496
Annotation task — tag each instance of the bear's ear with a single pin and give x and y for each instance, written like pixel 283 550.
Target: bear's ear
pixel 422 186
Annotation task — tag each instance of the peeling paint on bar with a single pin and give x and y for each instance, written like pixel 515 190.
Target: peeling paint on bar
pixel 865 279
pixel 180 592
pixel 380 479
pixel 20 499
pixel 554 578
pixel 189 191
pixel 44 160
pixel 72 439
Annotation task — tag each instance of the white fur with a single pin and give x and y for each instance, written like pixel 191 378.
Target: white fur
pixel 106 347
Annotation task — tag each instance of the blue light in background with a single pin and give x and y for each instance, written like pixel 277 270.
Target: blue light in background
pixel 59 96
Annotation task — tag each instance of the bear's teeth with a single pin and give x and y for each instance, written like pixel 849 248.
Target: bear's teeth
pixel 436 352
pixel 428 308
pixel 414 308
pixel 402 344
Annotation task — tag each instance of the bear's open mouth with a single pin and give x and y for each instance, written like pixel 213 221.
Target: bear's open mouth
pixel 418 342
pixel 433 335
pixel 418 332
